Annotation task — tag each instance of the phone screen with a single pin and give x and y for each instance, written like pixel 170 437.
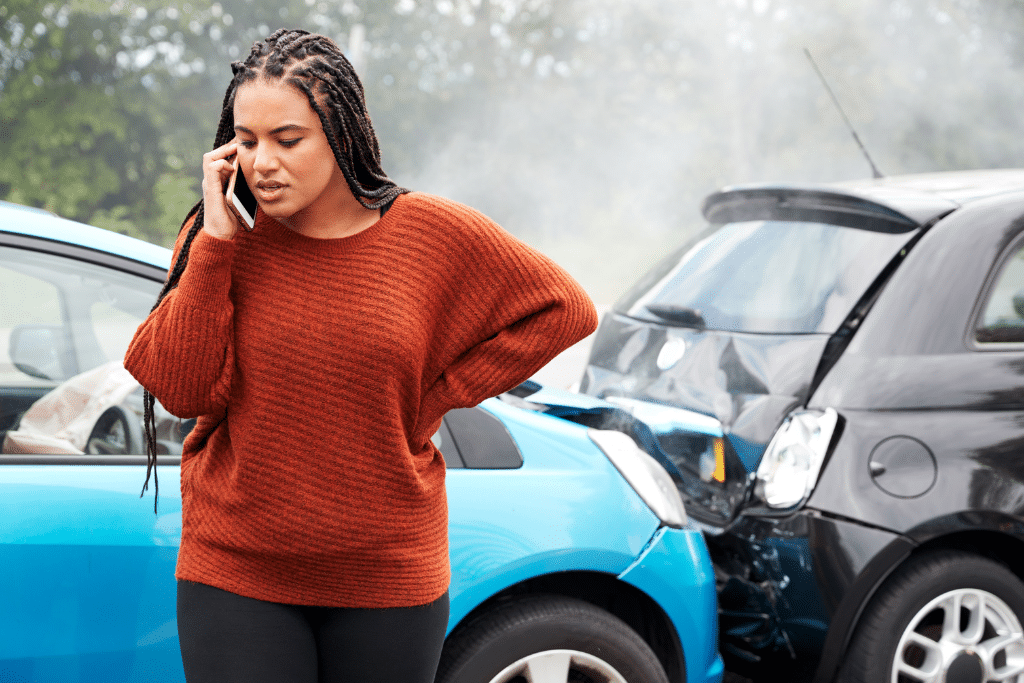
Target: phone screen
pixel 242 199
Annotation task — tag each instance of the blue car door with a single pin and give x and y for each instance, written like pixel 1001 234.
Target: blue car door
pixel 87 570
pixel 86 566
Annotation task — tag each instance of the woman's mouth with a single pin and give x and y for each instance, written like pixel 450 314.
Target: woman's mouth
pixel 268 190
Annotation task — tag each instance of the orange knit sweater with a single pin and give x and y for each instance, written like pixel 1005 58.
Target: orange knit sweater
pixel 319 369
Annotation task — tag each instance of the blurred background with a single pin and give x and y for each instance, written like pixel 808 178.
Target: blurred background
pixel 589 128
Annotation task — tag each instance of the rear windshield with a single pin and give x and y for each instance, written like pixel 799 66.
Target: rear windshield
pixel 764 276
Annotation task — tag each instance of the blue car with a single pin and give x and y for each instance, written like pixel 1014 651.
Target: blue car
pixel 572 556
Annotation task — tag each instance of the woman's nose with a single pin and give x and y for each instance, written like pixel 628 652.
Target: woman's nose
pixel 263 161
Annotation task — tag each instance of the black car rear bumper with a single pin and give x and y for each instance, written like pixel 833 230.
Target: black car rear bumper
pixel 790 590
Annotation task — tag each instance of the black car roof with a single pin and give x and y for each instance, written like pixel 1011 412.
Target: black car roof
pixel 892 204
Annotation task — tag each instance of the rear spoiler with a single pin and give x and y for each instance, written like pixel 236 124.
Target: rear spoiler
pixel 816 205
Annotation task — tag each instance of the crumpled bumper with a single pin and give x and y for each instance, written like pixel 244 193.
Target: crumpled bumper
pixel 790 589
pixel 687 596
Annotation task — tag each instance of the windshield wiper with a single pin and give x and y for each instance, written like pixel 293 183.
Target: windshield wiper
pixel 680 315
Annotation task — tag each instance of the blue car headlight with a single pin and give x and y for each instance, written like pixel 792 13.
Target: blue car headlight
pixel 649 479
pixel 789 469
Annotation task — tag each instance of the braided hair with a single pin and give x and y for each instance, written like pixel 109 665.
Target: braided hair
pixel 316 66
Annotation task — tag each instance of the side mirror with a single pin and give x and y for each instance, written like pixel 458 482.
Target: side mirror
pixel 1018 303
pixel 40 351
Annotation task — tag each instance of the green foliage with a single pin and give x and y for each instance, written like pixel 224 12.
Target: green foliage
pixel 84 109
pixel 75 151
pixel 598 123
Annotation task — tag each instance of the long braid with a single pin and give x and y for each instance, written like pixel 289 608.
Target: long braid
pixel 339 152
pixel 367 160
pixel 316 66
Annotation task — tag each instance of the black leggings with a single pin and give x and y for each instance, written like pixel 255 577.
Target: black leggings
pixel 227 638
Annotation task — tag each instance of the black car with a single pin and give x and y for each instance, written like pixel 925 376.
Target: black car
pixel 856 354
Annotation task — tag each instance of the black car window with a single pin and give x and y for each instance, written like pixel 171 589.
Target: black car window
pixel 65 325
pixel 1002 318
pixel 482 440
pixel 765 276
pixel 442 438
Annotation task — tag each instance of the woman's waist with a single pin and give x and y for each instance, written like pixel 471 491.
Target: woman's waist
pixel 307 524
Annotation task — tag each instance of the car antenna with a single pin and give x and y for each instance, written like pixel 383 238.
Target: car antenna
pixel 875 173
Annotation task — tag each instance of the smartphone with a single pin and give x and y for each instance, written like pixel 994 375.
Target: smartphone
pixel 240 198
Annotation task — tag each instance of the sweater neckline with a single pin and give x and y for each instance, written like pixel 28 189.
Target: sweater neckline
pixel 285 236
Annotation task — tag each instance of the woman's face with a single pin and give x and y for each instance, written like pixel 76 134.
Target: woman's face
pixel 284 153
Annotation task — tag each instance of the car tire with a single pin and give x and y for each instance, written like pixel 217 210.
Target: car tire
pixel 947 615
pixel 552 639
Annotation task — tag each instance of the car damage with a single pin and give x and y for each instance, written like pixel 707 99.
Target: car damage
pixel 736 351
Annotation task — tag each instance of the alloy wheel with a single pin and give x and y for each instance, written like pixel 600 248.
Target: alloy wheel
pixel 967 635
pixel 559 666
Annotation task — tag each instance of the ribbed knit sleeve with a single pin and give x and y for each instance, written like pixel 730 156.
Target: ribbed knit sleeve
pixel 513 310
pixel 183 352
pixel 320 368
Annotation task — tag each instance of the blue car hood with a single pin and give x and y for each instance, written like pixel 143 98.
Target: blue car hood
pixel 642 420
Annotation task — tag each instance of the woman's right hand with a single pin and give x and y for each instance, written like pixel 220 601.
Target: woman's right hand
pixel 218 165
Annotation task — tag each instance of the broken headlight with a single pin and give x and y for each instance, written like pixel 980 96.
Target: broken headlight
pixel 789 469
pixel 644 474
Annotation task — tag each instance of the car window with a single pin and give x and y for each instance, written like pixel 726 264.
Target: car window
pixel 1002 319
pixel 60 317
pixel 27 301
pixel 65 325
pixel 766 276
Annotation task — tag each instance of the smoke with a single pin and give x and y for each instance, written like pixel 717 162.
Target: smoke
pixel 604 166
pixel 587 190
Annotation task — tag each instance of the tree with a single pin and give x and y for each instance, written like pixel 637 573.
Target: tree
pixel 587 127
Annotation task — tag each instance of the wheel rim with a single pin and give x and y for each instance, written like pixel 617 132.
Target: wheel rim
pixel 559 666
pixel 963 636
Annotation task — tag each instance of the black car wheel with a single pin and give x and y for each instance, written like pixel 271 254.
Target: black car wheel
pixel 548 639
pixel 947 616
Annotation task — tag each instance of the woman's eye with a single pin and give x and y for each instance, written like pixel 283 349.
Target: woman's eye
pixel 290 143
pixel 248 144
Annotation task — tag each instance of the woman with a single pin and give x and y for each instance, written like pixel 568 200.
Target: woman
pixel 320 351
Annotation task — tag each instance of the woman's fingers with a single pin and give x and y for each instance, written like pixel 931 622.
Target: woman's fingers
pixel 218 165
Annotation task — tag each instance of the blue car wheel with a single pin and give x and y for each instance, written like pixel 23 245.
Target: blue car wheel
pixel 548 639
